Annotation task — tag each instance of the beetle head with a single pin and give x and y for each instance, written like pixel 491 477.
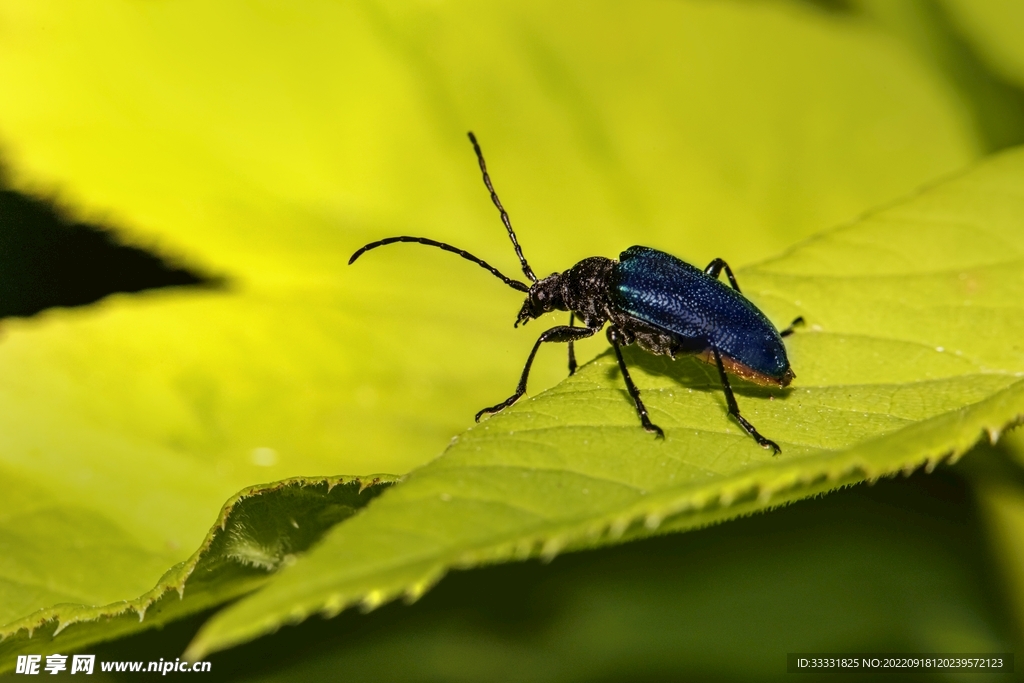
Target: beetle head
pixel 544 296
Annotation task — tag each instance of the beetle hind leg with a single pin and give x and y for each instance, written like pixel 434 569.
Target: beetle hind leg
pixel 797 322
pixel 734 408
pixel 716 267
pixel 616 338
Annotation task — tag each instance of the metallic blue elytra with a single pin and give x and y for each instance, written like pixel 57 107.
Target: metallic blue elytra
pixel 702 312
pixel 648 298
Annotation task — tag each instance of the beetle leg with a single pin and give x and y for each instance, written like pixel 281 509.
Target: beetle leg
pixel 789 330
pixel 615 337
pixel 734 409
pixel 572 354
pixel 562 333
pixel 716 266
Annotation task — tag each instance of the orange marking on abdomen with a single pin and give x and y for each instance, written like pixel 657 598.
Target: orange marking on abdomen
pixel 734 367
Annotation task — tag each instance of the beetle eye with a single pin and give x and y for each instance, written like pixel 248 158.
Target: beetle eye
pixel 541 295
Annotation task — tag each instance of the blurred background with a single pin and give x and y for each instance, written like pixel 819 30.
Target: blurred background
pixel 158 154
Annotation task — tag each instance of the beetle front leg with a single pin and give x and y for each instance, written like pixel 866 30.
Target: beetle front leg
pixel 616 338
pixel 716 266
pixel 562 333
pixel 734 409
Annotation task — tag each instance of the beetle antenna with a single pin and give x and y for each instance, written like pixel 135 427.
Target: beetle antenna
pixel 514 284
pixel 527 271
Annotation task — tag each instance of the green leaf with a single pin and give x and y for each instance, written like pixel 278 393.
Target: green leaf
pixel 265 143
pixel 259 530
pixel 994 27
pixel 998 480
pixel 914 353
pixel 898 566
pixel 938 32
pixel 901 565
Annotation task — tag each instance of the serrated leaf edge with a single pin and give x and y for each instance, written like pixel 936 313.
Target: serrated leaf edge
pixel 745 494
pixel 174 579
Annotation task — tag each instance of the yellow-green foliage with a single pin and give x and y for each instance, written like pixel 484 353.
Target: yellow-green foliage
pixel 264 142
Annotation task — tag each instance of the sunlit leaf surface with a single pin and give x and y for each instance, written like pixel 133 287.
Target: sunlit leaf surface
pixel 263 143
pixel 915 352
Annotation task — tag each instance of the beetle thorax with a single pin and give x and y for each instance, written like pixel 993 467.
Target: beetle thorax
pixel 583 289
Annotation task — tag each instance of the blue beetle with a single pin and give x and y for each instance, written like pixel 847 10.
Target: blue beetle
pixel 647 297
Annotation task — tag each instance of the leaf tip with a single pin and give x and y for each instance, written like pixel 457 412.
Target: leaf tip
pixel 551 548
pixel 332 607
pixel 993 434
pixel 416 591
pixel 618 527
pixel 372 601
pixel 365 484
pixel 523 549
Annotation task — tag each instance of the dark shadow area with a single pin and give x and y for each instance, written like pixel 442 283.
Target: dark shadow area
pixel 900 566
pixel 995 103
pixel 47 260
pixel 833 6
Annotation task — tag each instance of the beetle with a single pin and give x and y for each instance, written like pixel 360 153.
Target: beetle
pixel 649 298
